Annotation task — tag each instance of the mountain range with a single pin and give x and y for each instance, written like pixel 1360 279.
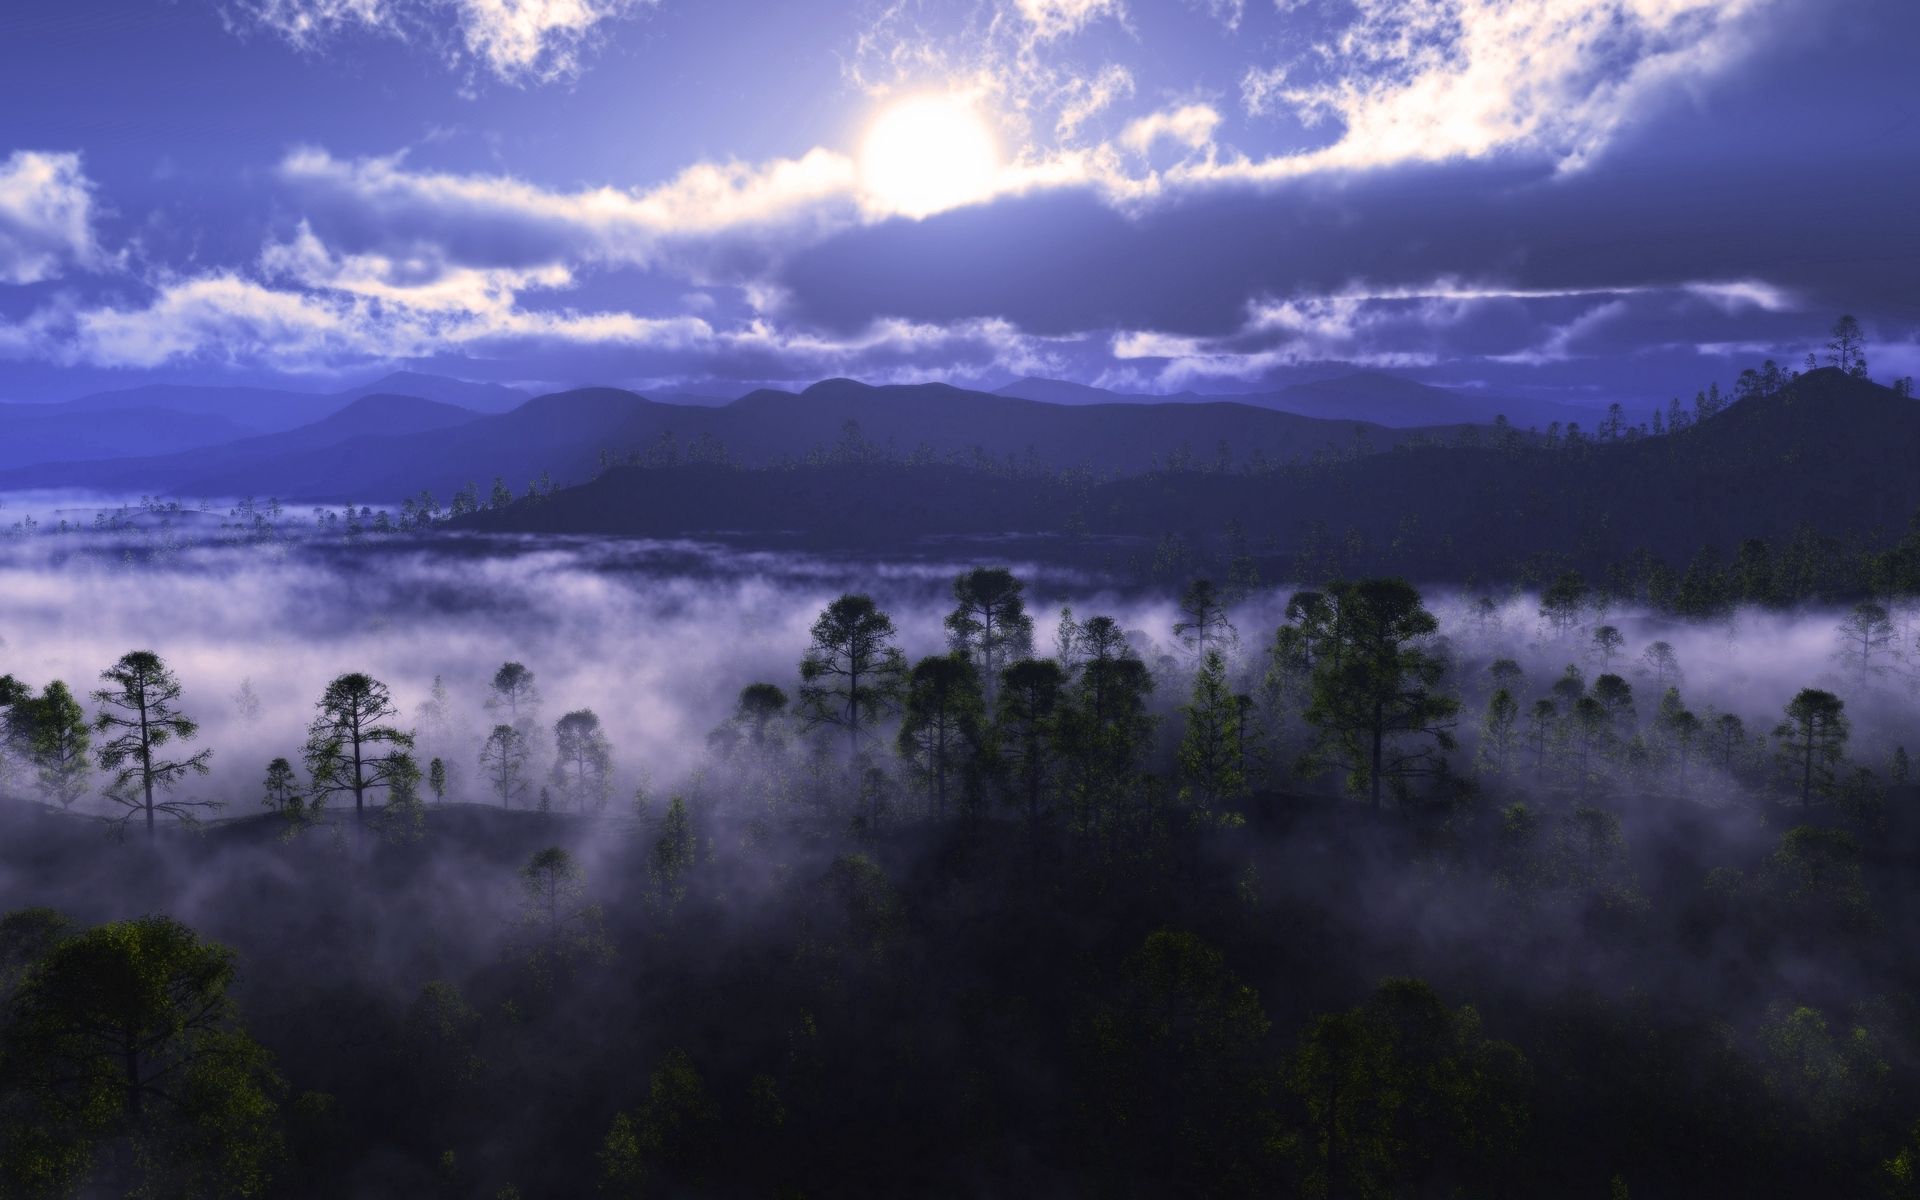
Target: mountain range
pixel 380 448
pixel 1828 457
pixel 1362 396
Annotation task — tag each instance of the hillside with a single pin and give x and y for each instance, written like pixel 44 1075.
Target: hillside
pixel 1363 396
pixel 565 434
pixel 1828 451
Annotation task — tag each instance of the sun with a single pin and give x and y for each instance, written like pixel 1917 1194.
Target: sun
pixel 926 154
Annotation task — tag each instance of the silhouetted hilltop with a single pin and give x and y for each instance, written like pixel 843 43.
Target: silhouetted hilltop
pixel 1828 453
pixel 1362 396
pixel 567 435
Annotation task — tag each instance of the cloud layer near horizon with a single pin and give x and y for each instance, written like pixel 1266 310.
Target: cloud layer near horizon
pixel 1484 193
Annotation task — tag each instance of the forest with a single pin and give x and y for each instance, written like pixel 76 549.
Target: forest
pixel 1349 891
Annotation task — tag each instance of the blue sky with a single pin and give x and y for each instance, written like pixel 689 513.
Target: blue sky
pixel 1583 199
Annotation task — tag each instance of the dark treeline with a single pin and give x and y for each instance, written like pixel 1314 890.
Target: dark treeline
pixel 1799 488
pixel 1352 906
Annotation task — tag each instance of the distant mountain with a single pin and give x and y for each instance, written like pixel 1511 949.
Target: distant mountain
pixel 33 433
pixel 480 397
pixel 251 410
pixel 1365 396
pixel 1061 391
pixel 766 425
pixel 565 434
pixel 275 410
pixel 378 448
pixel 1830 454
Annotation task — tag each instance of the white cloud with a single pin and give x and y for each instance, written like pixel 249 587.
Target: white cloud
pixel 46 217
pixel 514 40
pixel 1425 80
pixel 813 194
pixel 1058 18
pixel 1190 125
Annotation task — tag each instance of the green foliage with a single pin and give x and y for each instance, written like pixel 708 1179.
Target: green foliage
pixel 1210 756
pixel 672 856
pixel 583 761
pixel 1178 1078
pixel 1810 743
pixel 1376 707
pixel 1404 1097
pixel 667 1143
pixel 989 625
pixel 943 727
pixel 123 1036
pixel 353 748
pixel 852 674
pixel 139 717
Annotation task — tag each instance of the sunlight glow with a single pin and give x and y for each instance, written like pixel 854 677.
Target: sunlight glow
pixel 927 154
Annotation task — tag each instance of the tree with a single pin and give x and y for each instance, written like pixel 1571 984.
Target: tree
pixel 552 905
pixel 583 760
pixel 1499 730
pixel 941 731
pixel 1204 626
pixel 661 1148
pixel 351 745
pixel 1811 742
pixel 1662 664
pixel 1866 637
pixel 757 714
pixel 52 729
pixel 1607 644
pixel 512 688
pixel 503 756
pixel 1103 732
pixel 1377 692
pixel 1031 692
pixel 1174 1061
pixel 1730 734
pixel 1210 760
pixel 1406 1098
pixel 1846 348
pixel 437 780
pixel 246 703
pixel 989 623
pixel 851 676
pixel 1563 601
pixel 1542 721
pixel 125 1036
pixel 140 715
pixel 282 789
pixel 672 856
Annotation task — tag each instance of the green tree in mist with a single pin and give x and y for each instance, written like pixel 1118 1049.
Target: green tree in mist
pixel 353 748
pixel 1375 704
pixel 942 727
pixel 852 673
pixel 989 624
pixel 139 717
pixel 583 761
pixel 124 1064
pixel 503 756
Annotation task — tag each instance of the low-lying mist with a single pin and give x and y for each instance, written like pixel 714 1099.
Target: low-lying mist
pixel 658 638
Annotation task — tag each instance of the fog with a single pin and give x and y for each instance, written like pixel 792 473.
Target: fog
pixel 658 637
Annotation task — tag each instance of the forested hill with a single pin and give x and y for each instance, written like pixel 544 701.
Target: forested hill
pixel 567 435
pixel 1825 453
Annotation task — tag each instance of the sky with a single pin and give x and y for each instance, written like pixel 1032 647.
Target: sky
pixel 1582 200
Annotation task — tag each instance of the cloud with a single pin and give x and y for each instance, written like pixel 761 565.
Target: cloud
pixel 1190 125
pixel 46 217
pixel 719 221
pixel 518 41
pixel 1059 18
pixel 1428 80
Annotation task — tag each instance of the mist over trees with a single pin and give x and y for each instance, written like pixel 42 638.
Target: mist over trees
pixel 976 877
